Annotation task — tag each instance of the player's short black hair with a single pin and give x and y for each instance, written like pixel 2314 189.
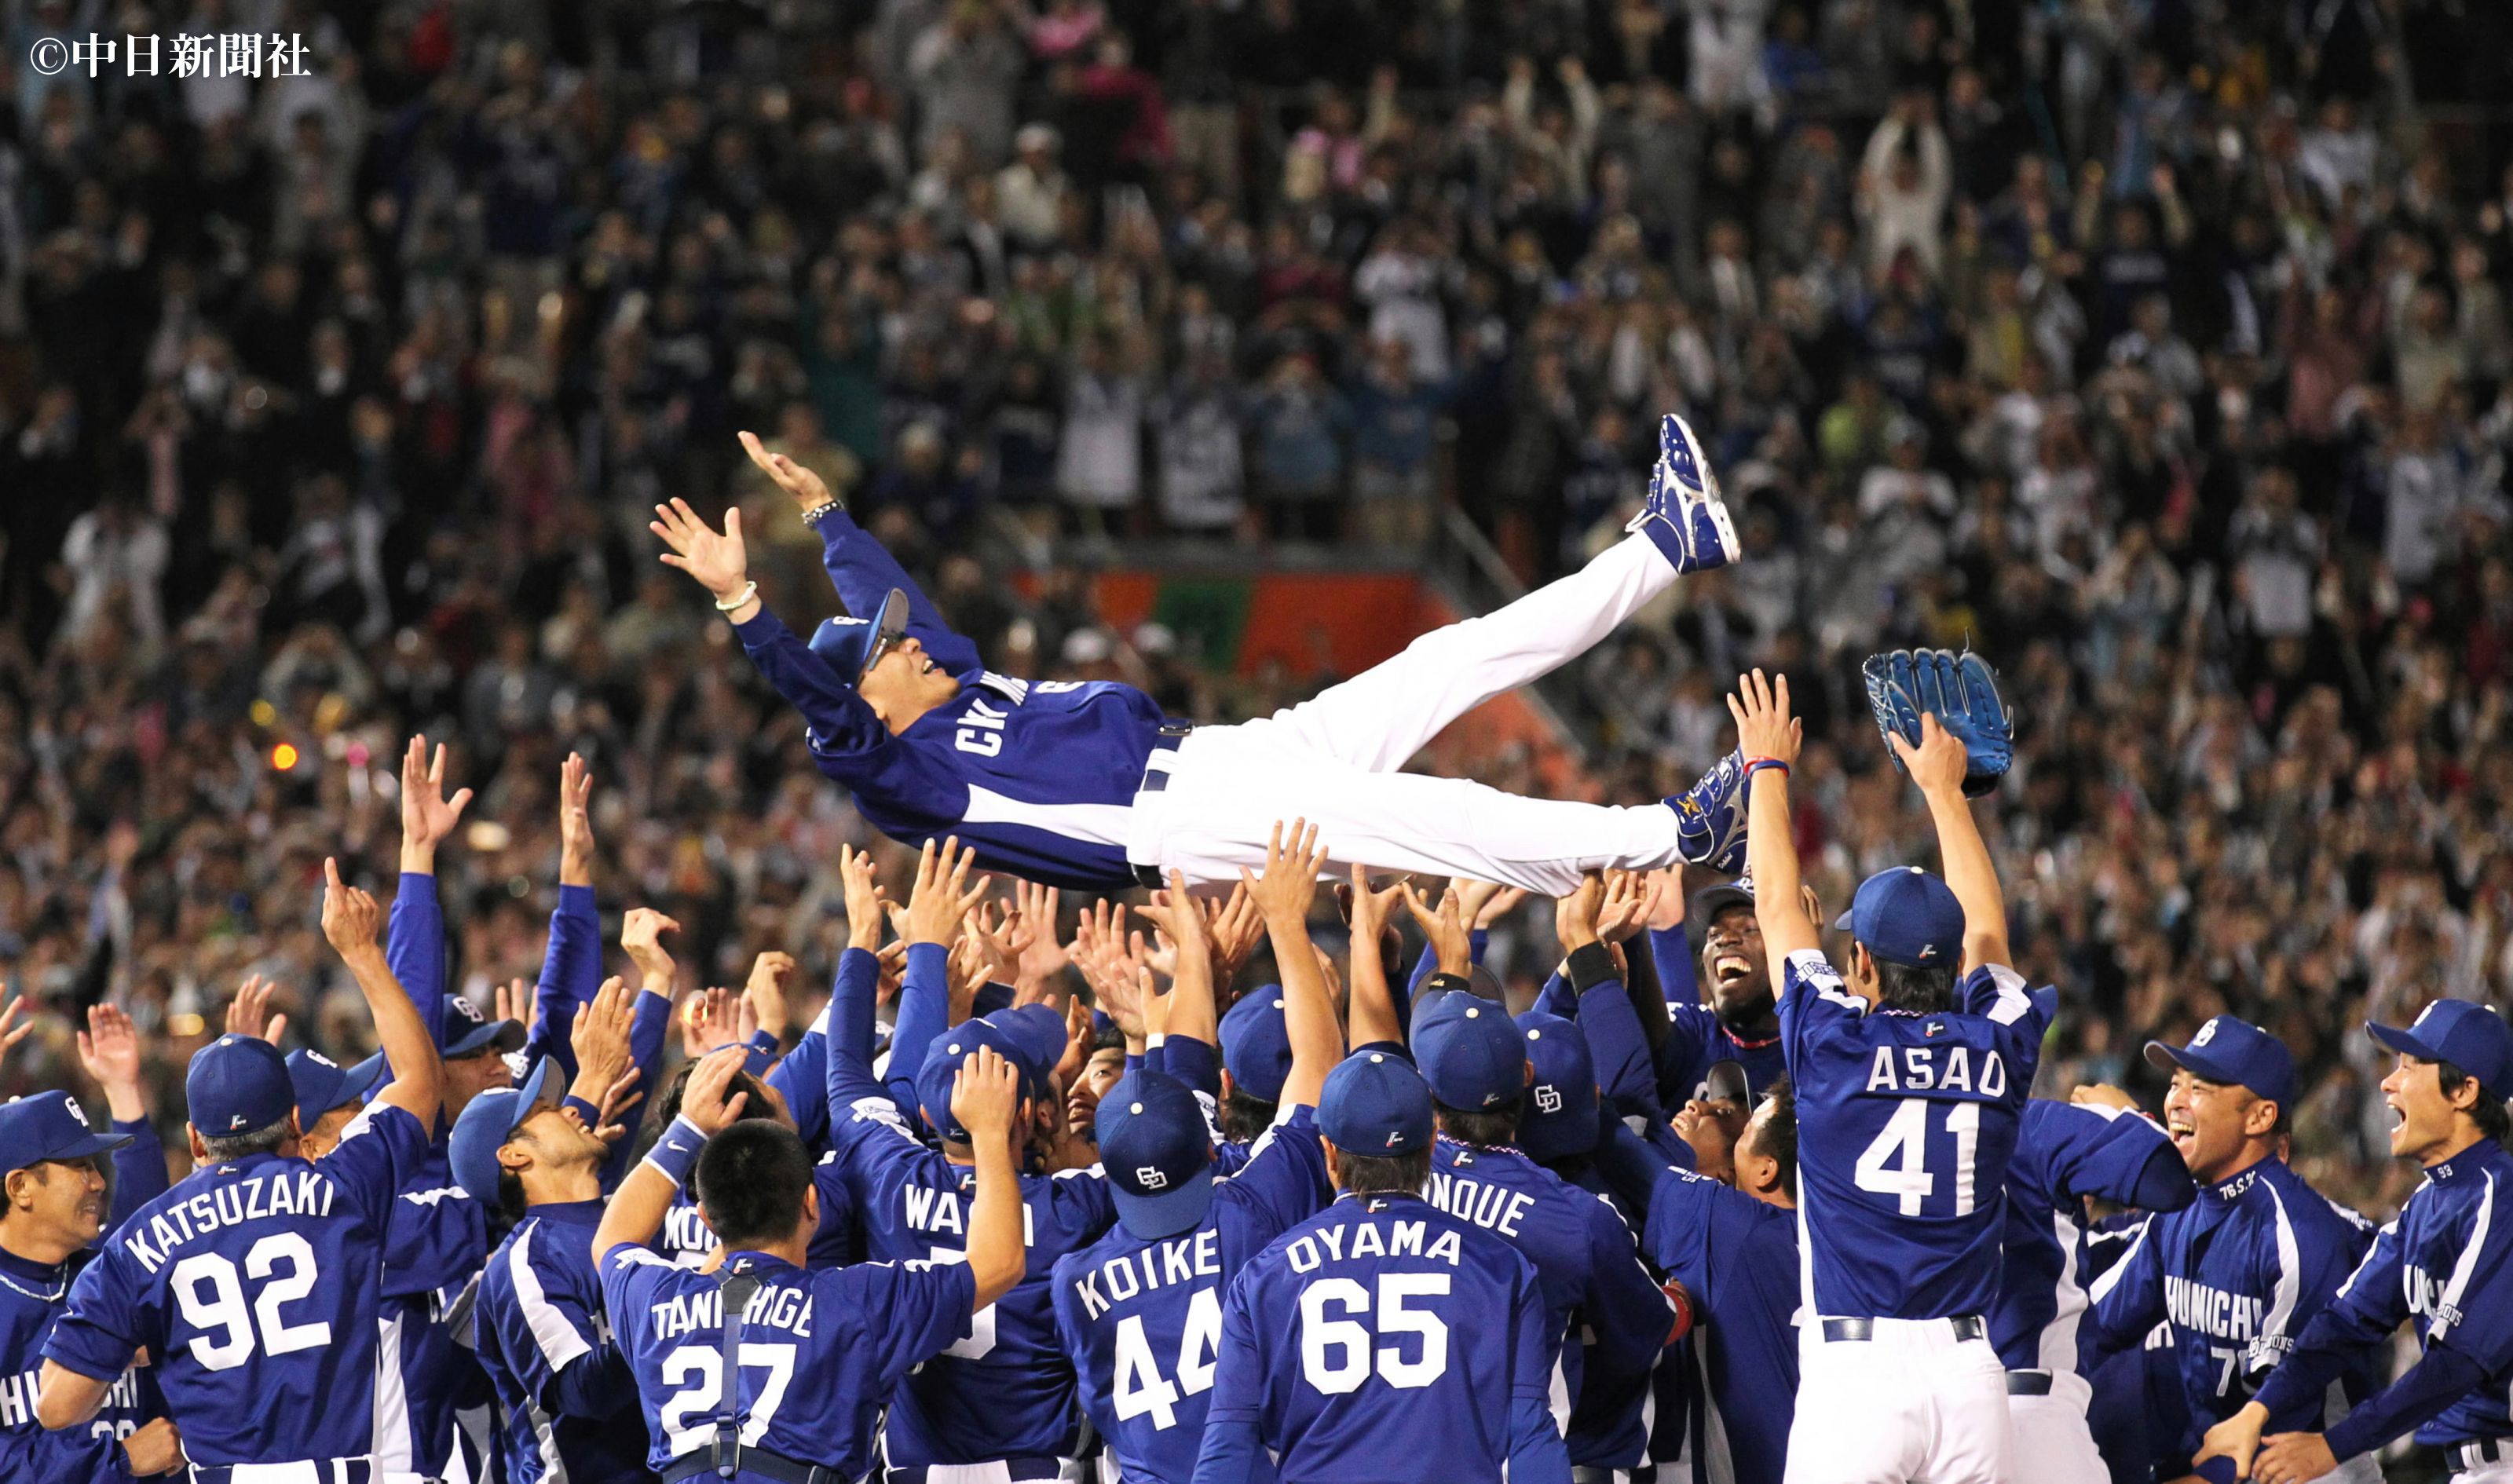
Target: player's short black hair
pixel 1920 992
pixel 667 1107
pixel 264 1139
pixel 1244 1116
pixel 751 1178
pixel 1779 1136
pixel 1385 1174
pixel 1492 1127
pixel 2495 1120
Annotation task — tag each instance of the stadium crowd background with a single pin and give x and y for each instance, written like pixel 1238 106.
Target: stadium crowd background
pixel 2161 348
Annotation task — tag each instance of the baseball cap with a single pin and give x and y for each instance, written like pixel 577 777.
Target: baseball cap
pixel 488 1121
pixel 1375 1103
pixel 1711 901
pixel 2237 1054
pixel 469 1033
pixel 1561 1116
pixel 323 1084
pixel 1469 1051
pixel 1038 1030
pixel 1156 1151
pixel 949 1051
pixel 46 1126
pixel 851 645
pixel 1907 916
pixel 1256 1048
pixel 2470 1036
pixel 237 1084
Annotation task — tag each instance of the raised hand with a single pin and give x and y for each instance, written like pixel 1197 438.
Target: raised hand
pixel 1937 763
pixel 1446 926
pixel 1034 913
pixel 515 1001
pixel 575 822
pixel 808 490
pixel 763 997
pixel 1763 726
pixel 110 1049
pixel 943 898
pixel 249 1013
pixel 10 1034
pixel 989 928
pixel 1371 910
pixel 1666 900
pixel 1486 902
pixel 1574 917
pixel 986 1094
pixel 1238 926
pixel 704 1098
pixel 708 1021
pixel 719 561
pixel 1627 901
pixel 641 939
pixel 1290 883
pixel 427 815
pixel 865 905
pixel 351 917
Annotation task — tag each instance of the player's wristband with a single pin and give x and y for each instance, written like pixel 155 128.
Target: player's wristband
pixel 821 512
pixel 1761 763
pixel 748 592
pixel 676 1153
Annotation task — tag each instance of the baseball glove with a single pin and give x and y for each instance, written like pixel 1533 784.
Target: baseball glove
pixel 1960 691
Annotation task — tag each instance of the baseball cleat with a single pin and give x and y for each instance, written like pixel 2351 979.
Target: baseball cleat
pixel 1711 818
pixel 1684 516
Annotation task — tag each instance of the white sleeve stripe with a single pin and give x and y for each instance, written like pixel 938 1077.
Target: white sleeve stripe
pixel 560 1344
pixel 2290 1281
pixel 2112 1275
pixel 2448 1311
pixel 2012 1000
pixel 2371 1251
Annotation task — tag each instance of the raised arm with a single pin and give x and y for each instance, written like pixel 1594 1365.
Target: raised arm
pixel 1187 1010
pixel 571 964
pixel 941 900
pixel 1292 860
pixel 636 1209
pixel 1769 737
pixel 109 1050
pixel 414 939
pixel 351 921
pixel 1960 848
pixel 1375 1014
pixel 986 1100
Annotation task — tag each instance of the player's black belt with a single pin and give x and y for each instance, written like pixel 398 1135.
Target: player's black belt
pixel 724 1461
pixel 1842 1331
pixel 1589 1473
pixel 1156 779
pixel 325 1472
pixel 2028 1382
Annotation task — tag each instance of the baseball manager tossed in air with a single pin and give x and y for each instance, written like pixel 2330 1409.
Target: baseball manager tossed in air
pixel 1086 784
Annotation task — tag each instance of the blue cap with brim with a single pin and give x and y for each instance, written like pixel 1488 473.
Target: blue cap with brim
pixel 1906 916
pixel 49 1126
pixel 1157 1153
pixel 950 1052
pixel 1560 1119
pixel 2468 1035
pixel 237 1084
pixel 1037 1029
pixel 468 1032
pixel 323 1084
pixel 1375 1104
pixel 2233 1053
pixel 1469 1051
pixel 488 1121
pixel 850 646
pixel 1255 1046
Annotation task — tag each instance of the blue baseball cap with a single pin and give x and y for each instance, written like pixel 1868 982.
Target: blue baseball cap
pixel 488 1121
pixel 1469 1051
pixel 1158 1156
pixel 1906 916
pixel 2470 1036
pixel 1255 1046
pixel 2236 1054
pixel 323 1084
pixel 850 646
pixel 469 1033
pixel 237 1084
pixel 1375 1104
pixel 46 1126
pixel 1560 1115
pixel 1037 1030
pixel 951 1051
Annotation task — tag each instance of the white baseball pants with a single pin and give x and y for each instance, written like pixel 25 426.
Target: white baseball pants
pixel 1913 1405
pixel 2053 1444
pixel 1333 760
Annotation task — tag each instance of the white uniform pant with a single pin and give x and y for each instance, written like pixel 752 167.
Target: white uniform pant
pixel 2470 1462
pixel 1333 760
pixel 1913 1405
pixel 2052 1445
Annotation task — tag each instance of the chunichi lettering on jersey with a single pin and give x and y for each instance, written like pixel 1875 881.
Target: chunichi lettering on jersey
pixel 2212 1311
pixel 1174 1264
pixel 2425 1292
pixel 773 1308
pixel 302 1191
pixel 938 1212
pixel 1496 1208
pixel 1371 1239
pixel 1942 1071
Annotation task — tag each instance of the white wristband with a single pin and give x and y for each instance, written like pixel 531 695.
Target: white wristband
pixel 749 591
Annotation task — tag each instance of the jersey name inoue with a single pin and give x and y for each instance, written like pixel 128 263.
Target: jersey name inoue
pixel 1496 1208
pixel 289 1192
pixel 1347 1244
pixel 1922 1069
pixel 1163 1264
pixel 703 1313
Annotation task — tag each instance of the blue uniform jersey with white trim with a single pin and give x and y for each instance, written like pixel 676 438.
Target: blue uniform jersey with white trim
pixel 686 1241
pixel 1383 1338
pixel 32 1299
pixel 2066 1153
pixel 255 1286
pixel 1143 1320
pixel 2237 1273
pixel 821 1350
pixel 562 1383
pixel 1905 1126
pixel 1696 1041
pixel 1039 777
pixel 1737 1258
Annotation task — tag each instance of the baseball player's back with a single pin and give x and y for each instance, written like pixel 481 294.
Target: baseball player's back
pixel 1737 1258
pixel 561 1380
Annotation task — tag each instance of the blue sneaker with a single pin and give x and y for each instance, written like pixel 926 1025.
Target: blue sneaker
pixel 1711 818
pixel 1684 516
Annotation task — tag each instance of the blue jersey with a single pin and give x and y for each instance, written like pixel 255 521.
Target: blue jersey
pixel 1592 1281
pixel 1696 1041
pixel 686 1241
pixel 2446 1264
pixel 436 1241
pixel 2238 1275
pixel 1143 1320
pixel 1378 1340
pixel 562 1383
pixel 1905 1125
pixel 2065 1155
pixel 1737 1258
pixel 31 1301
pixel 254 1286
pixel 1039 777
pixel 820 1349
pixel 1006 1390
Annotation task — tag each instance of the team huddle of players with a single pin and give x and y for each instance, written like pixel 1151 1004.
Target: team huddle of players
pixel 1728 1201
